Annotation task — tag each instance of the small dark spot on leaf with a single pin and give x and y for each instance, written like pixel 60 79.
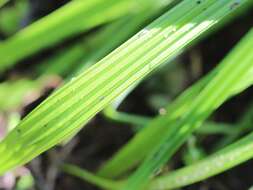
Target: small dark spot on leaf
pixel 156 155
pixel 234 5
pixel 101 98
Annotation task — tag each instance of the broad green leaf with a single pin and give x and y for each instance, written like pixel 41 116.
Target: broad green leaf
pixel 106 40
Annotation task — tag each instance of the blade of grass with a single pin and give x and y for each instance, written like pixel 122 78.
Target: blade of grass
pixel 219 162
pixel 145 141
pixel 114 35
pixel 85 175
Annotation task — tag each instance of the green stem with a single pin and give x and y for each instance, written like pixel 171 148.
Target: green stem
pixel 122 117
pixel 139 121
pixel 85 175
